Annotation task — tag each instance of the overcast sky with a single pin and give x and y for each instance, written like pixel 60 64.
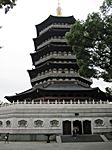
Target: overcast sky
pixel 18 30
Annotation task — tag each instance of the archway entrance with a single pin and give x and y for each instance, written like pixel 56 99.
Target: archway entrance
pixel 87 127
pixel 66 127
pixel 78 124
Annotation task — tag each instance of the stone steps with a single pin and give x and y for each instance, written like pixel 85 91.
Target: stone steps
pixel 81 138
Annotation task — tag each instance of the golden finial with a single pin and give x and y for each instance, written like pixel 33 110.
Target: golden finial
pixel 58 10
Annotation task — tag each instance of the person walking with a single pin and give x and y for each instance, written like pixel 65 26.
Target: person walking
pixel 7 138
pixel 74 132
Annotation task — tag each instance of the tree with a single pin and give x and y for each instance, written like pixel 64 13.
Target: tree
pixel 91 41
pixel 7 4
pixel 109 91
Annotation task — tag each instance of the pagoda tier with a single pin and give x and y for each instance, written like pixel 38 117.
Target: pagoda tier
pixel 51 34
pixel 49 49
pixel 56 71
pixel 57 58
pixel 54 21
pixel 59 91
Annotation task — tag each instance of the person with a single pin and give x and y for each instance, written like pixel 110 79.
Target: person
pixel 7 138
pixel 75 131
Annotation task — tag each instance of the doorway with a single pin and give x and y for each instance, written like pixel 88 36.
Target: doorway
pixel 87 127
pixel 66 127
pixel 78 124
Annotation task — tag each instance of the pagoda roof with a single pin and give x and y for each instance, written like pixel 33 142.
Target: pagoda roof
pixel 20 96
pixel 49 48
pixel 50 64
pixel 50 34
pixel 64 86
pixel 55 19
pixel 58 87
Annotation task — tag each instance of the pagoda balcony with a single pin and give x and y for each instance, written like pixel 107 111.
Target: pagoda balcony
pixel 55 56
pixel 54 40
pixel 54 75
pixel 57 26
pixel 57 74
pixel 55 20
pixel 55 102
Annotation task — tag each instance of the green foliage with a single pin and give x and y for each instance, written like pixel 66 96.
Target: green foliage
pixel 7 4
pixel 91 41
pixel 106 7
pixel 109 91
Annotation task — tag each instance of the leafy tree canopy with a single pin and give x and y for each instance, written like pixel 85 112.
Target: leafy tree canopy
pixel 7 4
pixel 109 91
pixel 91 41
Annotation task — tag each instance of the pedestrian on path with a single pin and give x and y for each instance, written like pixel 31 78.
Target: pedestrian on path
pixel 7 138
pixel 75 131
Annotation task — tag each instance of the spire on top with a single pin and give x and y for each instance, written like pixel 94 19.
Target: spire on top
pixel 58 10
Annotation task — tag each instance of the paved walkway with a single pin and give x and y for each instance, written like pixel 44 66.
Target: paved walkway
pixel 55 146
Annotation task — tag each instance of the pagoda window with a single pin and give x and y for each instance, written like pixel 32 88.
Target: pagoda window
pixel 54 79
pixel 46 71
pixel 54 123
pixel 59 37
pixel 99 122
pixel 44 81
pixel 66 79
pixel 60 79
pixel 60 70
pixel 60 61
pixel 43 73
pixel 38 123
pixel 54 70
pixel 55 53
pixel 1 123
pixel 66 70
pixel 59 53
pixel 69 61
pixel 65 53
pixel 49 79
pixel 69 53
pixel 50 53
pixel 8 123
pixel 22 123
pixel 72 79
pixel 71 70
pixel 39 74
pixel 47 54
pixel 50 70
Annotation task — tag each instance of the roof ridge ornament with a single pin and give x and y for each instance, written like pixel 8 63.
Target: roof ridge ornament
pixel 58 10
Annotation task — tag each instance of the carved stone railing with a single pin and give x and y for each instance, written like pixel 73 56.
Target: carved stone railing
pixel 55 26
pixel 56 102
pixel 55 56
pixel 55 75
pixel 62 40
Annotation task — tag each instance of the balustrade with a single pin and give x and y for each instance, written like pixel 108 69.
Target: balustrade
pixel 51 40
pixel 56 102
pixel 55 26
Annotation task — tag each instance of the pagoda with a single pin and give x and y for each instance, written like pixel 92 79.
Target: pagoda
pixel 55 75
pixel 60 99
